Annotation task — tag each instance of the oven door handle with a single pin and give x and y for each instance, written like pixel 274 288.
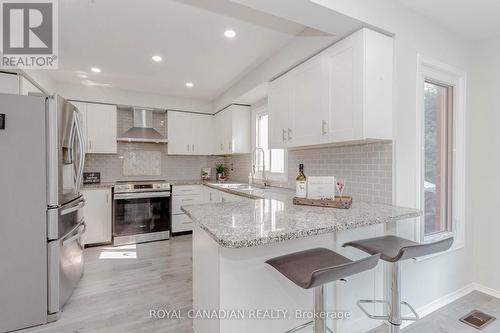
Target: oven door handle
pixel 144 195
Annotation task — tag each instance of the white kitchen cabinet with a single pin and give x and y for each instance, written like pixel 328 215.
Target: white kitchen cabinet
pixel 309 112
pixel 99 122
pixel 342 95
pixel 232 130
pixel 181 200
pixel 190 133
pixel 181 223
pixel 9 83
pixel 279 106
pixel 97 213
pixel 211 195
pixel 184 195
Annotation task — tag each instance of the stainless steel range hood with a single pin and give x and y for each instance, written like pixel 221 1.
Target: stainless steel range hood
pixel 143 130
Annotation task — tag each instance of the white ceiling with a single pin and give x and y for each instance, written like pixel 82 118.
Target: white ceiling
pixel 473 19
pixel 120 36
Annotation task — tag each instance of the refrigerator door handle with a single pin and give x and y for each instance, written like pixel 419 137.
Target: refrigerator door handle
pixel 75 233
pixel 52 152
pixel 79 205
pixel 81 162
pixel 67 148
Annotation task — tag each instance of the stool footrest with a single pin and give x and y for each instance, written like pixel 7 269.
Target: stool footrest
pixel 301 327
pixel 360 303
pixel 368 314
pixel 415 314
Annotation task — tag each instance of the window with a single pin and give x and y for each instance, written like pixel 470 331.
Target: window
pixel 438 158
pixel 274 159
pixel 441 92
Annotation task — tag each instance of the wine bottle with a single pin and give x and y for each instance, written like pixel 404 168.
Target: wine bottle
pixel 301 183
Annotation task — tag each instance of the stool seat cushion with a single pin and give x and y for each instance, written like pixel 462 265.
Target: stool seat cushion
pixel 393 248
pixel 315 267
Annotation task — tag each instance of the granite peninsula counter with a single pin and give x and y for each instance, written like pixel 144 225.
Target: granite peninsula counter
pixel 232 241
pixel 272 217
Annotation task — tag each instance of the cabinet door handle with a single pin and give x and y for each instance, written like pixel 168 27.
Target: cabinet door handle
pixel 289 134
pixel 221 146
pixel 107 197
pixel 188 147
pixel 192 146
pixel 283 138
pixel 210 196
pixel 323 127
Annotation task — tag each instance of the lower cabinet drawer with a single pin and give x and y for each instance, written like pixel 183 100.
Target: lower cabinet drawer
pixel 186 189
pixel 181 222
pixel 180 200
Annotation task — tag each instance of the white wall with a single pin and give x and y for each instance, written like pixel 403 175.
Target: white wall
pixel 126 97
pixel 299 49
pixel 115 96
pixel 485 159
pixel 41 78
pixel 429 280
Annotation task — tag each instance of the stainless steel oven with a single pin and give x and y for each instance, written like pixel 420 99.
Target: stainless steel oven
pixel 141 212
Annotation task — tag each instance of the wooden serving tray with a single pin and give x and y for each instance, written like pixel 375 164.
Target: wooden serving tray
pixel 343 202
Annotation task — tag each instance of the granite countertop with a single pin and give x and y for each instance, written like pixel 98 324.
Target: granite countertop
pixel 172 182
pixel 185 182
pixel 272 217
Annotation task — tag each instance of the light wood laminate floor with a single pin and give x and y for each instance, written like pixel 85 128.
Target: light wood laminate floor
pixel 446 319
pixel 122 284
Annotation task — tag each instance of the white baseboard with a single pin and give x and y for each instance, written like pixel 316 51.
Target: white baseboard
pixel 443 301
pixel 487 290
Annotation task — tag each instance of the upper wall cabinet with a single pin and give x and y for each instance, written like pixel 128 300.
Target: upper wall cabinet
pixel 342 95
pixel 190 133
pixel 9 83
pixel 99 127
pixel 232 130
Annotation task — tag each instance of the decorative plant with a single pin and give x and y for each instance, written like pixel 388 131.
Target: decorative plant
pixel 220 168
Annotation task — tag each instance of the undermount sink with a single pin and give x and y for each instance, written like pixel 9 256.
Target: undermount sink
pixel 230 185
pixel 241 187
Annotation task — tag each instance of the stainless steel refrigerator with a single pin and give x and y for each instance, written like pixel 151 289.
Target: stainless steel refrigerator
pixel 42 153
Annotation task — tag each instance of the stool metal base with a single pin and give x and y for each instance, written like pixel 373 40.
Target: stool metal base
pixel 319 324
pixel 387 316
pixel 394 316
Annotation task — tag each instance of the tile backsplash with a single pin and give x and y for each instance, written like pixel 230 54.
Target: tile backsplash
pixel 367 168
pixel 137 161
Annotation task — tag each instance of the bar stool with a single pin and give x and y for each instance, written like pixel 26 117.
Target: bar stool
pixel 395 249
pixel 313 269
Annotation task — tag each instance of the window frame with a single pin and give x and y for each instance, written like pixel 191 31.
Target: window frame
pixel 272 176
pixel 436 72
pixel 447 127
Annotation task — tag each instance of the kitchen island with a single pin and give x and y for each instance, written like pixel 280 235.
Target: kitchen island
pixel 232 241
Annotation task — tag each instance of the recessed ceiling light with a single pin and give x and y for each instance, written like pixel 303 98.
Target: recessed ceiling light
pixel 230 33
pixel 83 76
pixel 95 70
pixel 157 58
pixel 189 84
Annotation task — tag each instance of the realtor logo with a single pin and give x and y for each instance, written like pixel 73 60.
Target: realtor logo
pixel 28 34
